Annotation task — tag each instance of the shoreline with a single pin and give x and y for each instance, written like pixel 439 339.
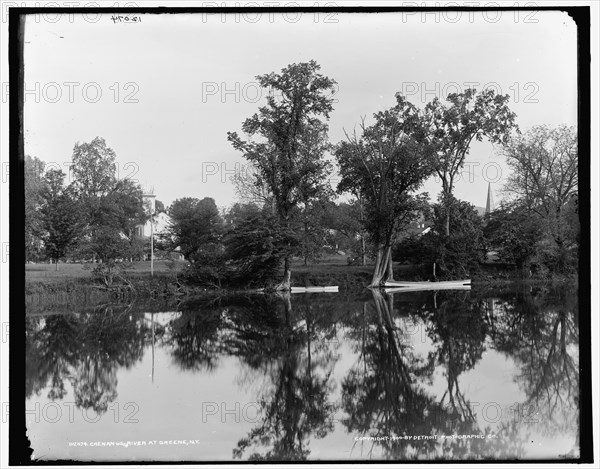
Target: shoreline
pixel 164 286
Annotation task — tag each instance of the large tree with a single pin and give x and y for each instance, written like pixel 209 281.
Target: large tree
pixel 60 216
pixel 544 179
pixel 34 185
pixel 254 243
pixel 110 204
pixel 287 139
pixel 194 224
pixel 197 228
pixel 94 169
pixel 386 165
pixel 453 127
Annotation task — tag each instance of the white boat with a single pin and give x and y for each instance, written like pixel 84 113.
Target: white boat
pixel 426 288
pixel 446 285
pixel 315 289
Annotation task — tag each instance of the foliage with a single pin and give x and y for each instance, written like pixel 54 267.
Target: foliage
pixel 122 208
pixel 311 232
pixel 60 216
pixel 34 185
pixel 108 244
pixel 197 228
pixel 256 244
pixel 456 255
pixel 452 128
pixel 250 187
pixel 112 206
pixel 112 248
pixel 287 139
pixel 385 165
pixel 515 233
pixel 159 207
pixel 345 222
pixel 94 169
pixel 109 271
pixel 544 179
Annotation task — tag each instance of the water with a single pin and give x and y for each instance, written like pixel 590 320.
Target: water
pixel 454 375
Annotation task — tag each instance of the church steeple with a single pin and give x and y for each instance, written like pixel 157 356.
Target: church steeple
pixel 489 206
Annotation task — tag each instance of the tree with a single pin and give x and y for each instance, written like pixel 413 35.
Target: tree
pixel 461 252
pixel 287 139
pixel 94 169
pixel 197 228
pixel 60 216
pixel 544 178
pixel 346 220
pixel 254 246
pixel 385 165
pixel 110 245
pixel 110 204
pixel 239 212
pixel 454 255
pixel 159 207
pixel 452 129
pixel 249 187
pixel 312 232
pixel 515 234
pixel 34 185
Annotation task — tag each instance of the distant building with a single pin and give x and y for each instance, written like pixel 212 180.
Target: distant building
pixel 491 256
pixel 489 205
pixel 419 227
pixel 161 222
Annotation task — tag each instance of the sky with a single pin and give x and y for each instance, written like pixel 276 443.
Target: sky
pixel 164 91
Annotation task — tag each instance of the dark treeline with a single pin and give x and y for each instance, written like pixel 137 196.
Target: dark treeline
pixel 291 215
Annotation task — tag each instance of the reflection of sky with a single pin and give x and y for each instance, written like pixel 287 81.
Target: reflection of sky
pixel 171 407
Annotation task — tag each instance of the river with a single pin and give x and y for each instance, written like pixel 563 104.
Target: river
pixel 460 375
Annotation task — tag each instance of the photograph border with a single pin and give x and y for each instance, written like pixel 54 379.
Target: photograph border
pixel 19 449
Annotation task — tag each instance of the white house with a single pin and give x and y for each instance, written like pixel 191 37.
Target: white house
pixel 156 225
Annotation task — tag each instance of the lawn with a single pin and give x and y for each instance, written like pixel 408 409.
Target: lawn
pixel 331 264
pixel 68 271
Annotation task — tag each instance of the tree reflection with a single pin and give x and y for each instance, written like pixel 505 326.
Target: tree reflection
pixel 194 336
pixel 85 349
pixel 295 407
pixel 290 346
pixel 539 329
pixel 293 343
pixel 457 329
pixel 384 394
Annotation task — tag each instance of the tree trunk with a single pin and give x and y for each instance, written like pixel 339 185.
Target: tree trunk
pixel 57 265
pixel 287 274
pixel 363 250
pixel 306 244
pixel 447 221
pixel 389 274
pixel 377 274
pixel 382 264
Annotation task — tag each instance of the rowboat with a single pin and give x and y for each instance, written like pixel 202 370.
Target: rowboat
pixel 424 288
pixel 330 289
pixel 399 283
pixel 397 286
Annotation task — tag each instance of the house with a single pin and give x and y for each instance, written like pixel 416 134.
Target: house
pixel 156 225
